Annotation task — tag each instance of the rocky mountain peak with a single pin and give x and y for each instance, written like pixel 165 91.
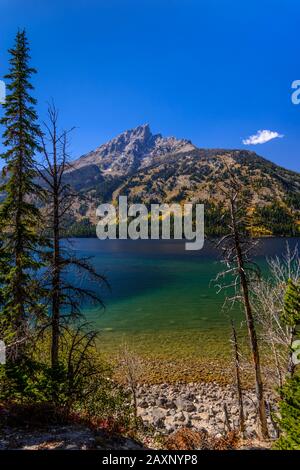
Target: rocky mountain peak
pixel 129 140
pixel 142 132
pixel 131 150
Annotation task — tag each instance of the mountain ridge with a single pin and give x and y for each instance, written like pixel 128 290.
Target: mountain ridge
pixel 165 145
pixel 150 168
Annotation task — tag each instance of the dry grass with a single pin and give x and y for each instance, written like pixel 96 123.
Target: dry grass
pixel 188 439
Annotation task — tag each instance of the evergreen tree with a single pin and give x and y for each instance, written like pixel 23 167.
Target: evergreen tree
pixel 289 406
pixel 19 217
pixel 289 422
pixel 291 316
pixel 291 312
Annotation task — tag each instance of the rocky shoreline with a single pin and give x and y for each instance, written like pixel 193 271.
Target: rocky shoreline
pixel 164 409
pixel 167 408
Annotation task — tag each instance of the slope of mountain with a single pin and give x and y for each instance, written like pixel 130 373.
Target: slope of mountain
pixel 150 168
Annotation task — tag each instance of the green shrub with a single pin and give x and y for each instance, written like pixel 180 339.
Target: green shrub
pixel 289 421
pixel 81 383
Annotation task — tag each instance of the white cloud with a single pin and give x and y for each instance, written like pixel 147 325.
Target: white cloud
pixel 261 137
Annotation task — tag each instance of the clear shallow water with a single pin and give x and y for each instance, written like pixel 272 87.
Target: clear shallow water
pixel 162 297
pixel 156 284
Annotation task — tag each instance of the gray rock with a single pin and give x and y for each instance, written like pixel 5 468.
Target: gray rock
pixel 180 417
pixel 158 416
pixel 203 416
pixel 143 404
pixel 190 407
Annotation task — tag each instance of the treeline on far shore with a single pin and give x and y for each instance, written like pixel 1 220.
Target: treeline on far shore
pixel 265 221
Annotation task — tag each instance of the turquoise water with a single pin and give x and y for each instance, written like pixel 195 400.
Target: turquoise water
pixel 164 304
pixel 156 285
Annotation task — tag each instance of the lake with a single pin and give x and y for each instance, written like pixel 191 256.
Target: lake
pixel 163 300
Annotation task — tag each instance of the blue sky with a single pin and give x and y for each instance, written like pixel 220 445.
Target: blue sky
pixel 212 71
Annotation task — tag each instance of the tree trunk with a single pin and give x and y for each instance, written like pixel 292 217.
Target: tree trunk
pixel 250 325
pixel 18 348
pixel 277 365
pixel 238 379
pixel 56 263
pixel 55 303
pixel 135 406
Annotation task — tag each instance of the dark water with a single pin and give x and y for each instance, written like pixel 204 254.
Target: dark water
pixel 157 286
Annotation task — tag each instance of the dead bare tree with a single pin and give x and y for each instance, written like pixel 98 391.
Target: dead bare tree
pixel 236 356
pixel 79 345
pixel 237 248
pixel 131 368
pixel 65 296
pixel 268 305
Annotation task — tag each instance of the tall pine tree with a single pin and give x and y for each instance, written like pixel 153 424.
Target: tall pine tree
pixel 291 316
pixel 19 217
pixel 289 410
pixel 289 405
